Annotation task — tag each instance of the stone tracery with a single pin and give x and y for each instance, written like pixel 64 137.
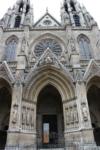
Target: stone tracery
pixel 47 43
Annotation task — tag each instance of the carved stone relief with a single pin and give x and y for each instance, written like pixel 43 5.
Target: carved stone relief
pixel 27 116
pixel 78 74
pixel 72 44
pixel 71 116
pixel 15 114
pixel 84 112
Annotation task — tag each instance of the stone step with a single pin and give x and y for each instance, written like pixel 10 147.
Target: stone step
pixel 52 149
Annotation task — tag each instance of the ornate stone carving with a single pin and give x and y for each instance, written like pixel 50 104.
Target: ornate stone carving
pixel 71 115
pixel 98 44
pixel 79 73
pixel 75 114
pixel 48 60
pixel 15 114
pixel 23 115
pixel 48 43
pixel 72 44
pixel 84 111
pixel 27 116
pixel 23 47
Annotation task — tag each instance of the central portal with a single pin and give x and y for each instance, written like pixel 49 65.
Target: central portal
pixel 50 126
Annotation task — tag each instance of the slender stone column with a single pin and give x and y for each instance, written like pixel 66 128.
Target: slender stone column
pixel 15 117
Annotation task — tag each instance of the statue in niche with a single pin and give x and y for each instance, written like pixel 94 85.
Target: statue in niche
pixel 28 118
pixel 72 44
pixel 71 115
pixel 48 60
pixel 33 59
pixel 32 118
pixel 63 59
pixel 75 114
pixel 24 115
pixel 23 45
pixel 15 115
pixel 84 112
pixel 67 116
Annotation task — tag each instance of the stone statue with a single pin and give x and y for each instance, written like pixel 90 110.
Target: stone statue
pixel 24 42
pixel 84 112
pixel 24 116
pixel 72 44
pixel 28 118
pixel 63 59
pixel 98 44
pixel 67 116
pixel 48 60
pixel 75 114
pixel 32 118
pixel 14 116
pixel 71 115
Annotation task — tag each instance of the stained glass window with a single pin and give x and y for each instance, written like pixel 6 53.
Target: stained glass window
pixel 10 50
pixel 85 48
pixel 47 43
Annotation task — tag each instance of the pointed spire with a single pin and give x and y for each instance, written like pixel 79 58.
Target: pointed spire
pixel 47 10
pixel 20 15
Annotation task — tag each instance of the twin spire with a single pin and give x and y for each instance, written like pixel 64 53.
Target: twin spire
pixel 76 15
pixel 21 14
pixel 71 14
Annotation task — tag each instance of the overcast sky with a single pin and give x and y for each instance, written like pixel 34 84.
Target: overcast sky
pixel 93 6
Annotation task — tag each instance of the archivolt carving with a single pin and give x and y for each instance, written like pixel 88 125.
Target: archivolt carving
pixel 48 75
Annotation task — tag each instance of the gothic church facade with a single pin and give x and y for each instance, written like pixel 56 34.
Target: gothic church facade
pixel 49 78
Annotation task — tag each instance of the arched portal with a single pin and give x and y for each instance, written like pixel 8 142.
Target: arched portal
pixel 50 125
pixel 93 96
pixel 5 106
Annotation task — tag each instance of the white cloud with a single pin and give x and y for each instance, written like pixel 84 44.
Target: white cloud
pixel 54 7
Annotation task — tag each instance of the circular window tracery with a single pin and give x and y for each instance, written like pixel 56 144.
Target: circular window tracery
pixel 47 43
pixel 47 22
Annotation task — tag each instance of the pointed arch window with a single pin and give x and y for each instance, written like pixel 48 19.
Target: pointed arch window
pixel 10 49
pixel 77 20
pixel 17 22
pixel 85 47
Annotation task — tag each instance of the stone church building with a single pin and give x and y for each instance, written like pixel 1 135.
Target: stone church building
pixel 49 79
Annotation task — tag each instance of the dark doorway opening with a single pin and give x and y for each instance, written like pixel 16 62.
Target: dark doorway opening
pixel 93 96
pixel 50 129
pixel 5 106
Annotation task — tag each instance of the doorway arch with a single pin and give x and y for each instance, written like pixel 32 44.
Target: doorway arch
pixel 93 96
pixel 5 106
pixel 49 120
